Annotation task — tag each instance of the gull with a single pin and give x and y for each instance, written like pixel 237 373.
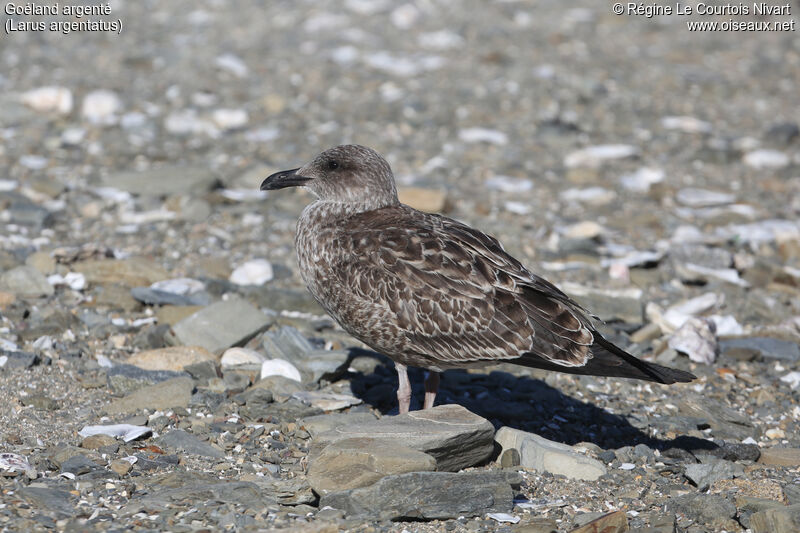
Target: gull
pixel 431 292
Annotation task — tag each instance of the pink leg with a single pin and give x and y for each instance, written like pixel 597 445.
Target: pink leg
pixel 431 388
pixel 403 388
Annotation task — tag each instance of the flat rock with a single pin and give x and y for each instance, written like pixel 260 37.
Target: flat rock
pixel 778 520
pixel 725 422
pixel 545 455
pixel 615 522
pixel 174 358
pixel 59 503
pixel 124 379
pixel 194 487
pixel 152 296
pixel 16 359
pixel 327 401
pixel 130 272
pixel 172 314
pixel 174 392
pixel 320 424
pixel 780 457
pixel 25 282
pixel 178 439
pixel 220 325
pixel 164 181
pixel 358 462
pixel 764 347
pixel 455 437
pixel 427 496
pixel 709 509
pixel 703 475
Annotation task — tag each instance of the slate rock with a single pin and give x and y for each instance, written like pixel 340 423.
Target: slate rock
pixel 220 325
pixel 703 475
pixel 320 424
pixel 615 522
pixel 725 422
pixel 544 455
pixel 792 494
pixel 129 272
pixel 358 462
pixel 789 457
pixel 763 347
pixel 428 496
pixel 736 451
pixel 124 379
pixel 25 282
pixel 79 465
pixel 40 401
pixel 708 509
pixel 189 487
pixel 289 411
pixel 174 392
pixel 15 359
pixel 164 180
pixel 455 437
pixel 178 439
pixel 778 520
pixel 174 358
pixel 59 503
pixel 611 304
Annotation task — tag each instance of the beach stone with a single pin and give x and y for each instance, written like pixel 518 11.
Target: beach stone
pixel 455 437
pixel 764 347
pixel 18 360
pixel 281 387
pixel 196 487
pixel 130 272
pixel 703 475
pixel 124 379
pixel 59 503
pixel 358 462
pixel 789 457
pixel 79 465
pixel 611 304
pixel 320 424
pixel 40 401
pixel 120 467
pixel 25 282
pixel 174 392
pixel 778 520
pixel 543 455
pixel 725 422
pixel 152 296
pixel 95 442
pixel 241 356
pixel 166 180
pixel 178 439
pixel 615 522
pixel 41 261
pixel 172 314
pixel 220 325
pixel 708 509
pixel 325 400
pixel 174 358
pixel 427 496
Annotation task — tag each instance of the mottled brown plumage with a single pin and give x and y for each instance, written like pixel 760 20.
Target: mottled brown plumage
pixel 431 292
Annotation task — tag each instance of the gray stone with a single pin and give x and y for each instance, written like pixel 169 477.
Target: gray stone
pixel 292 491
pixel 455 437
pixel 704 475
pixel 792 494
pixel 220 325
pixel 748 506
pixel 26 213
pixel 358 462
pixel 178 439
pixel 164 181
pixel 174 392
pixel 427 496
pixel 79 465
pixel 128 272
pixel 320 424
pixel 724 421
pixel 14 359
pixel 615 522
pixel 25 282
pixel 40 401
pixel 124 379
pixel 191 488
pixel 156 297
pixel 50 501
pixel 545 455
pixel 764 347
pixel 708 509
pixel 705 256
pixel 778 520
pixel 203 370
pixel 287 343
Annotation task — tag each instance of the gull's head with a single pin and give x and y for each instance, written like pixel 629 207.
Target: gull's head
pixel 348 174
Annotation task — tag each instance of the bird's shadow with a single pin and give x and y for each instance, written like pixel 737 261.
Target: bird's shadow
pixel 520 402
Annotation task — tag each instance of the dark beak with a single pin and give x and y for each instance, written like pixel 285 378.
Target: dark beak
pixel 283 179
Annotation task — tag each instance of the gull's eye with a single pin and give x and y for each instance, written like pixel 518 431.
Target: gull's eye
pixel 333 165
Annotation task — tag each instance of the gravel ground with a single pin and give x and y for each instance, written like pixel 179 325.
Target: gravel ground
pixel 651 171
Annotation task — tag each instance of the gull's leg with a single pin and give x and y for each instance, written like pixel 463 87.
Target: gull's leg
pixel 403 388
pixel 431 388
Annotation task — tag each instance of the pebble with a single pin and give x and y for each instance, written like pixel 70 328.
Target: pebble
pixel 544 455
pixel 230 119
pixel 610 304
pixel 693 197
pixel 789 457
pixel 25 282
pixel 174 358
pixel 101 107
pixel 697 338
pixel 165 180
pixel 175 392
pixel 641 180
pixel 52 99
pixel 233 357
pixel 219 326
pixel 596 156
pixel 254 272
pixel 686 124
pixel 766 159
pixel 483 135
pixel 281 368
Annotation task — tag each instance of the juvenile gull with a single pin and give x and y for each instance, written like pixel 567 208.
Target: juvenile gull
pixel 431 292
